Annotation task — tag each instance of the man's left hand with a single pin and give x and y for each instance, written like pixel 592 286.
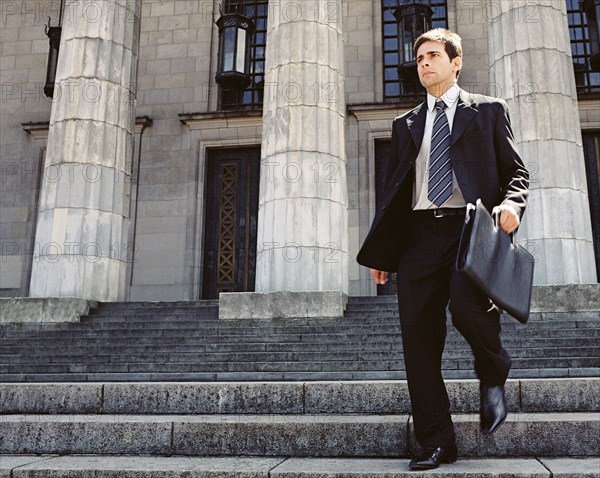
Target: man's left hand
pixel 509 219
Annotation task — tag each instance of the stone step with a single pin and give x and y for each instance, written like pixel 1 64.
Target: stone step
pixel 125 355
pixel 174 344
pixel 158 304
pixel 283 366
pixel 325 435
pixel 258 335
pixel 575 372
pixel 55 347
pixel 180 322
pixel 200 312
pixel 364 397
pixel 112 466
pixel 388 315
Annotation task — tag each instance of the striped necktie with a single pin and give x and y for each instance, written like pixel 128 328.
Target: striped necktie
pixel 439 186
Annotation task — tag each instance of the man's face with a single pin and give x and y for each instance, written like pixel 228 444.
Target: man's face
pixel 436 72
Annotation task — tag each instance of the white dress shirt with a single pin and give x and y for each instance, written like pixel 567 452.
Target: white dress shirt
pixel 421 176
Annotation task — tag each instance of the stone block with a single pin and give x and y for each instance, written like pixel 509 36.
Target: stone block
pixel 573 467
pixel 161 9
pixel 188 7
pixel 398 468
pixel 8 62
pixel 154 97
pixel 356 397
pixel 569 239
pixel 171 51
pixel 183 65
pixel 305 221
pixel 556 395
pixel 527 434
pixel 298 435
pixel 10 463
pixel 464 395
pixel 50 398
pixel 163 37
pixel 16 47
pixel 96 277
pixel 169 81
pixel 11 270
pixel 144 466
pixel 10 34
pixel 272 305
pixel 149 23
pixel 563 261
pixel 28 309
pixel 204 398
pixel 84 434
pixel 145 275
pixel 307 177
pixel 174 22
pixel 566 298
pixel 188 35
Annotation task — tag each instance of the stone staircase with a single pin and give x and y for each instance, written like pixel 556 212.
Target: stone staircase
pixel 286 429
pixel 151 390
pixel 185 341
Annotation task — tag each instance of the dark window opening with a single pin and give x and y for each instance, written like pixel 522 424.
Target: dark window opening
pixel 587 81
pixel 394 89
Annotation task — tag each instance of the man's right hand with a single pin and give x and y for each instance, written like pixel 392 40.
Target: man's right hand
pixel 380 277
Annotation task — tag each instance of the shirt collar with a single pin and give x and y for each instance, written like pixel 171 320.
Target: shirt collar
pixel 449 98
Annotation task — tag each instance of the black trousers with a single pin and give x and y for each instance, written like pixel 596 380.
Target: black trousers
pixel 427 282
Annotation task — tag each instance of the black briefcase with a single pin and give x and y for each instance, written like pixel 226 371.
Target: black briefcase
pixel 491 259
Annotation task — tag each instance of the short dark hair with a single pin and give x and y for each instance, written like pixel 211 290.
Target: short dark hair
pixel 452 42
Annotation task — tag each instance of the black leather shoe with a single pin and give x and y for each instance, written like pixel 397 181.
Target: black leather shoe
pixel 493 408
pixel 431 457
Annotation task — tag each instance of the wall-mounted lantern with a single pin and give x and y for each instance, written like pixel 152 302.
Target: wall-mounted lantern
pixel 592 11
pixel 414 19
pixel 235 35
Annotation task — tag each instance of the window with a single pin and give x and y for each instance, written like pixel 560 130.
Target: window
pixel 588 82
pixel 394 90
pixel 252 97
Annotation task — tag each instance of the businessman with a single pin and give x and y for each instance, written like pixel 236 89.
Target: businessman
pixel 450 150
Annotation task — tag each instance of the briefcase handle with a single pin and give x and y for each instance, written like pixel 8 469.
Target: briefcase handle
pixel 496 217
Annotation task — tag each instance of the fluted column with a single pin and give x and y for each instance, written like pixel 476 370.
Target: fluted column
pixel 302 217
pixel 81 231
pixel 531 66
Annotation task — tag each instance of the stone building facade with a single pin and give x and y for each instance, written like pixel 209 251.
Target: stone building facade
pixel 143 180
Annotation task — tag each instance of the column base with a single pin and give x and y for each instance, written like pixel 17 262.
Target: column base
pixel 38 310
pixel 565 298
pixel 282 305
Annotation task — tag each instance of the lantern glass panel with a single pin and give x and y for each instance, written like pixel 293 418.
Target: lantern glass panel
pixel 240 59
pixel 228 48
pixel 407 39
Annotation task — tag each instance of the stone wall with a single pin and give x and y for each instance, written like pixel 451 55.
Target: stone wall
pixel 173 75
pixel 23 58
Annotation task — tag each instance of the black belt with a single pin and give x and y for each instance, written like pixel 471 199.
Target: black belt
pixel 441 212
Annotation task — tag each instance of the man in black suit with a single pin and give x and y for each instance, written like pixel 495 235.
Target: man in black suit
pixel 450 150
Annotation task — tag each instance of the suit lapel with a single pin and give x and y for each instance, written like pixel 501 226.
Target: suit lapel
pixel 416 124
pixel 465 111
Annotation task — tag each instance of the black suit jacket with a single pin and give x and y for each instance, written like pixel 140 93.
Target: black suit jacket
pixel 484 159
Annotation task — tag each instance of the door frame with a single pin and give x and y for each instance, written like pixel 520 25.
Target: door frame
pixel 250 162
pixel 206 134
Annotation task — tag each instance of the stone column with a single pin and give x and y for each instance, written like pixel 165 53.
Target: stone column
pixel 531 67
pixel 302 217
pixel 80 250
